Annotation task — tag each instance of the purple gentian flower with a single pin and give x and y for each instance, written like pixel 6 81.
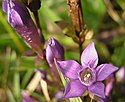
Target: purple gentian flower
pixel 54 51
pixel 20 19
pixel 87 77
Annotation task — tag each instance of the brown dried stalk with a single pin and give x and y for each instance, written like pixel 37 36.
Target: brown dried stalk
pixel 75 10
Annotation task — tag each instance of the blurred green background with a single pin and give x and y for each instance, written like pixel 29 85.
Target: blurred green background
pixel 105 20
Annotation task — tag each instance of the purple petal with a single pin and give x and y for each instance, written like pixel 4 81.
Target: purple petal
pixel 54 50
pixel 74 89
pixel 57 48
pixel 26 97
pixel 97 89
pixel 15 18
pixel 5 6
pixel 49 55
pixel 69 68
pixel 18 14
pixel 89 56
pixel 106 99
pixel 59 95
pixel 104 70
pixel 109 84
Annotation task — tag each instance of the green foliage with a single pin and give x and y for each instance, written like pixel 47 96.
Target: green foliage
pixel 93 11
pixel 121 3
pixel 103 51
pixel 118 58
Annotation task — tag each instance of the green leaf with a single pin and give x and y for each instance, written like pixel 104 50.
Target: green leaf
pixel 10 96
pixel 118 58
pixel 93 12
pixel 121 3
pixel 49 13
pixel 26 78
pixel 16 83
pixel 103 51
pixel 12 35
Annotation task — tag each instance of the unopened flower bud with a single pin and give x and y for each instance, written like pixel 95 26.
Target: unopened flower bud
pixel 20 19
pixel 54 50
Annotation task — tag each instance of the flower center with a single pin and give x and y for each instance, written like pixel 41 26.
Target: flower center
pixel 87 77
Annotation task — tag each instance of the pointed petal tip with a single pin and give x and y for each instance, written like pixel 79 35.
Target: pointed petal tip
pixel 89 56
pixel 74 89
pixel 104 70
pixel 5 6
pixel 97 89
pixel 52 40
pixel 54 49
pixel 92 44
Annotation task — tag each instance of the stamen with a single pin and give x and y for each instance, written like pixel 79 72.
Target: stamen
pixel 87 76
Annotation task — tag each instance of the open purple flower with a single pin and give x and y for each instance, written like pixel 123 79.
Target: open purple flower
pixel 87 77
pixel 20 19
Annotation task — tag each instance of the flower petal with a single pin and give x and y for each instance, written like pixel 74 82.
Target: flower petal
pixel 57 49
pixel 104 70
pixel 18 14
pixel 97 89
pixel 109 84
pixel 69 68
pixel 15 18
pixel 49 55
pixel 54 50
pixel 89 56
pixel 5 5
pixel 74 89
pixel 26 97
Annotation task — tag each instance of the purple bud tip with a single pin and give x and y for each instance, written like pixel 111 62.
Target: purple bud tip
pixel 54 50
